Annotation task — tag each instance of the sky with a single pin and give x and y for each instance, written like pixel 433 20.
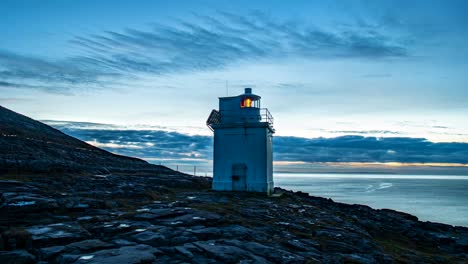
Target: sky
pixel 327 70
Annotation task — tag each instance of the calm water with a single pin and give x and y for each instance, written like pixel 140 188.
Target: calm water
pixel 432 198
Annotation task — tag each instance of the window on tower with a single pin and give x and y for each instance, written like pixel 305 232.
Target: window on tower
pixel 246 102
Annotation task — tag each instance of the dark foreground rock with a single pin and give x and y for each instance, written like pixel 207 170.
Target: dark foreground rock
pixel 16 257
pixel 177 219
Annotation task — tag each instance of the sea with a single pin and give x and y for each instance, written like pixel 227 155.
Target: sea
pixel 435 198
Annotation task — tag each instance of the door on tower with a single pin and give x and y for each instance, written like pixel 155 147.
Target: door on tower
pixel 239 177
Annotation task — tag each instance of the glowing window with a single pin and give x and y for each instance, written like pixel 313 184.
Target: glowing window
pixel 247 102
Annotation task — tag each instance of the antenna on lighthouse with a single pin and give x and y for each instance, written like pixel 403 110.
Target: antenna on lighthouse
pixel 227 88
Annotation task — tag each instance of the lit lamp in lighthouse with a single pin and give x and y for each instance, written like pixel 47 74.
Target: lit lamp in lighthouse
pixel 243 153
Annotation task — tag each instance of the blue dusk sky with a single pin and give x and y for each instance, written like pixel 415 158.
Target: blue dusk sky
pixel 376 76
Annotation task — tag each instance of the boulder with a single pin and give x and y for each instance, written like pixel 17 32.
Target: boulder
pixel 184 251
pixel 123 242
pixel 195 217
pixel 16 257
pixel 50 252
pixel 270 253
pixel 207 233
pixel 19 203
pixel 149 238
pixel 54 234
pixel 238 231
pixel 227 253
pixel 124 255
pixel 355 258
pixel 169 212
pixel 88 245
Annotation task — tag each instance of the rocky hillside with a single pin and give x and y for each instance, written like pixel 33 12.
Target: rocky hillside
pixel 156 219
pixel 139 213
pixel 27 145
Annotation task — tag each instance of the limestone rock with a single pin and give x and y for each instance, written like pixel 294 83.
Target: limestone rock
pixel 124 255
pixel 57 233
pixel 16 257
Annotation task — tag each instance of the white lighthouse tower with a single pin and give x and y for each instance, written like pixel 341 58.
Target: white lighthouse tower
pixel 243 132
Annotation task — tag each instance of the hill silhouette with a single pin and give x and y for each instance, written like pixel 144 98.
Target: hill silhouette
pixel 27 145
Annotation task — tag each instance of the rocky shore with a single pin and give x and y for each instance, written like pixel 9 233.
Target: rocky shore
pixel 178 219
pixel 65 201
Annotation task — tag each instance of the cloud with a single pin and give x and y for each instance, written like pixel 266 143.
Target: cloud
pixel 46 87
pixel 149 144
pixel 71 125
pixel 17 71
pixel 158 144
pixel 369 149
pixel 13 99
pixel 198 43
pixel 213 42
pixel 364 132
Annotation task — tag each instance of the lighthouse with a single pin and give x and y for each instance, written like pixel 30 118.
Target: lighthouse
pixel 243 153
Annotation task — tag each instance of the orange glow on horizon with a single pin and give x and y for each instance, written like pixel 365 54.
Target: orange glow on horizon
pixel 374 164
pixel 403 164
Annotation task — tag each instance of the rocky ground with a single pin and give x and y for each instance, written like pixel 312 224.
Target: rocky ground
pixel 65 201
pixel 178 219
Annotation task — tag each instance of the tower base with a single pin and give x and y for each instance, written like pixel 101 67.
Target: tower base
pixel 262 187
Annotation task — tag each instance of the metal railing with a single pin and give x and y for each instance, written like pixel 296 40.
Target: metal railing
pixel 268 116
pixel 218 117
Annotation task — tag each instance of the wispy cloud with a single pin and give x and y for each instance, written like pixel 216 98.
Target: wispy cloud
pixel 157 144
pixel 13 99
pixel 198 43
pixel 63 76
pixel 213 42
pixel 364 132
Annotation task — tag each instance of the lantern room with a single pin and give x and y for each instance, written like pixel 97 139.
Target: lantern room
pixel 249 100
pixel 242 108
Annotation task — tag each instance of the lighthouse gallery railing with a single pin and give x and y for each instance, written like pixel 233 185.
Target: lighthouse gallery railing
pixel 216 117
